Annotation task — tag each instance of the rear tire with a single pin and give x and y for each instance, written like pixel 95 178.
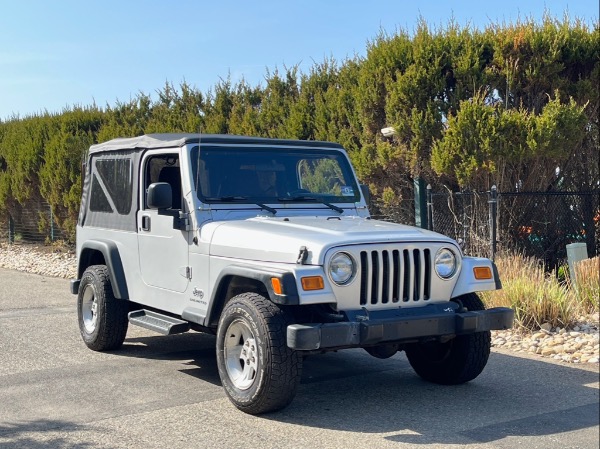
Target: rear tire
pixel 459 360
pixel 102 317
pixel 258 371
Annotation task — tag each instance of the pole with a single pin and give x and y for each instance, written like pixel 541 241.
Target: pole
pixel 420 203
pixel 463 208
pixel 493 212
pixel 51 224
pixel 11 229
pixel 429 208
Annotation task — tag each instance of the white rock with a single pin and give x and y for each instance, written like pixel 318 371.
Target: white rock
pixel 548 351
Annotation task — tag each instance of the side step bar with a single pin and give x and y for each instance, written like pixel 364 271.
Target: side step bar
pixel 156 322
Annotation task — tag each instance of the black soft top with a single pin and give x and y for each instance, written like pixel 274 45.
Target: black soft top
pixel 150 141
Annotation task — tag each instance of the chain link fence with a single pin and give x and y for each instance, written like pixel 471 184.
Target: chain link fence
pixel 34 223
pixel 3 228
pixel 402 212
pixel 464 217
pixel 542 224
pixel 537 224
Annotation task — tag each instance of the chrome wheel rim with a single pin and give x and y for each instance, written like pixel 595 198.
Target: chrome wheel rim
pixel 89 309
pixel 241 355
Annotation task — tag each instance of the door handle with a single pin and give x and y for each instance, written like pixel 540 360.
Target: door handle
pixel 145 223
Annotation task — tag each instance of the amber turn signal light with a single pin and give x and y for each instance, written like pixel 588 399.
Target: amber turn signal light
pixel 482 273
pixel 277 288
pixel 313 283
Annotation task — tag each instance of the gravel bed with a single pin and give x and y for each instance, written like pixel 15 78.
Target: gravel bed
pixel 576 345
pixel 45 260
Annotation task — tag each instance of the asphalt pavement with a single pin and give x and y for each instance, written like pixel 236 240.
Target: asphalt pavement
pixel 165 392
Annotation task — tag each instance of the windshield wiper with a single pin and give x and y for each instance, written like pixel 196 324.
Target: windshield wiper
pixel 267 208
pixel 227 199
pixel 312 198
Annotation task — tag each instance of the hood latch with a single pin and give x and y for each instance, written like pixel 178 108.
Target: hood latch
pixel 302 255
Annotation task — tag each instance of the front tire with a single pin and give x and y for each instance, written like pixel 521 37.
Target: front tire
pixel 457 361
pixel 258 371
pixel 102 317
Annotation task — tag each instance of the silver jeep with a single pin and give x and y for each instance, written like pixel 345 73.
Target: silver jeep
pixel 268 244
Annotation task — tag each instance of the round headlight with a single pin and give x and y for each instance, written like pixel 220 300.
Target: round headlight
pixel 341 268
pixel 445 263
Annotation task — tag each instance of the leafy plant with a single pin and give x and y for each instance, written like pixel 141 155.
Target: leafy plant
pixel 503 105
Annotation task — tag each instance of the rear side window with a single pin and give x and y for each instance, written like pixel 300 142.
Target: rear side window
pixel 112 186
pixel 98 200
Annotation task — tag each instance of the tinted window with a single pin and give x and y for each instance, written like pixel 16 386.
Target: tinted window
pixel 165 168
pixel 274 175
pixel 324 176
pixel 98 200
pixel 117 177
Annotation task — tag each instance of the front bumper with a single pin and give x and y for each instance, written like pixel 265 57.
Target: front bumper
pixel 368 331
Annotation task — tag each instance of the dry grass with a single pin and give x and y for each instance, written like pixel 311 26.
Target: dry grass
pixel 537 297
pixel 587 284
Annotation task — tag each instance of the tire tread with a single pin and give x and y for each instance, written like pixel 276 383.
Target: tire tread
pixel 285 365
pixel 469 354
pixel 113 322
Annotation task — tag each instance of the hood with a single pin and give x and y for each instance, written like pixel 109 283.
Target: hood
pixel 271 239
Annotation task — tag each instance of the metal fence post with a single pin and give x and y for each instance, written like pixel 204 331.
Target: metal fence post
pixel 493 211
pixel 461 195
pixel 429 208
pixel 11 229
pixel 51 224
pixel 420 203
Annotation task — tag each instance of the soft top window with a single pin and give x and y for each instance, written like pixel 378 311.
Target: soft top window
pixel 116 182
pixel 110 191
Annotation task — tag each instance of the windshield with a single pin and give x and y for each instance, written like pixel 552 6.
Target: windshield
pixel 274 175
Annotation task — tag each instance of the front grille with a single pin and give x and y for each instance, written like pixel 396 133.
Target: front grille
pixel 395 276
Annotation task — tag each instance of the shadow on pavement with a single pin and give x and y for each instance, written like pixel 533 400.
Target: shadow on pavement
pixel 20 434
pixel 351 391
pixel 512 397
pixel 195 350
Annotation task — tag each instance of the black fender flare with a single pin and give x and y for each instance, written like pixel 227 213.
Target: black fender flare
pixel 109 250
pixel 289 295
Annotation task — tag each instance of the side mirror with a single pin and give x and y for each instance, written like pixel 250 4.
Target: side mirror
pixel 366 193
pixel 159 196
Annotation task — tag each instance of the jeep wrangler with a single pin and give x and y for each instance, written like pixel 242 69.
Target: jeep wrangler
pixel 268 244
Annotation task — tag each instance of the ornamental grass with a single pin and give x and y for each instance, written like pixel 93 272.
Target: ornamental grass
pixel 538 297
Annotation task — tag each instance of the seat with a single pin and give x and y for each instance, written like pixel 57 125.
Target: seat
pixel 172 175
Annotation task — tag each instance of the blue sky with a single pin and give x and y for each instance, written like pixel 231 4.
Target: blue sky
pixel 61 53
